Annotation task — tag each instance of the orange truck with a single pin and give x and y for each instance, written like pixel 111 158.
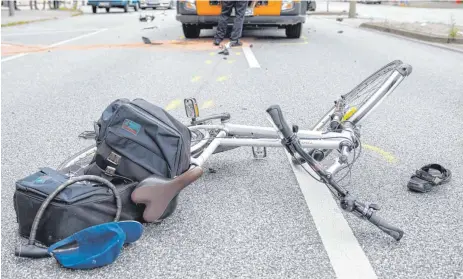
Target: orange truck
pixel 204 14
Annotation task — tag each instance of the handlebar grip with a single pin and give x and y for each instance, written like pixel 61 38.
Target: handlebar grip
pixel 31 251
pixel 395 232
pixel 277 117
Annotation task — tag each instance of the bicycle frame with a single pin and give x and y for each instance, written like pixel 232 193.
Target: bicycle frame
pixel 269 137
pixel 309 139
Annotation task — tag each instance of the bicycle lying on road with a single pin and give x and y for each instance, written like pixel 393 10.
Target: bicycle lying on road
pixel 338 130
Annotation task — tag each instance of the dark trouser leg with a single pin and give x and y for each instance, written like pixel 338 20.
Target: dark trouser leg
pixel 240 8
pixel 227 7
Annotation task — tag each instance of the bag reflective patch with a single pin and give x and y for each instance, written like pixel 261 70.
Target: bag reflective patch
pixel 131 127
pixel 43 179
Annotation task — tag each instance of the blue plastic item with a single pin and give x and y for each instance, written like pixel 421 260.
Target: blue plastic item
pixel 95 246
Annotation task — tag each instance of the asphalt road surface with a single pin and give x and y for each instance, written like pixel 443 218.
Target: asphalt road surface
pixel 249 219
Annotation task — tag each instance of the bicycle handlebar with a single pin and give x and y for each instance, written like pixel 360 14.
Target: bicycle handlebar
pixel 379 222
pixel 367 212
pixel 277 117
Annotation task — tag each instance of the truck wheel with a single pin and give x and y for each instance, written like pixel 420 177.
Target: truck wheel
pixel 126 8
pixel 136 6
pixel 294 31
pixel 191 31
pixel 107 10
pixel 94 9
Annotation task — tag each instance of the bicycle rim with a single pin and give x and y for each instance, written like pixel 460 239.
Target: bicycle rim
pixel 362 93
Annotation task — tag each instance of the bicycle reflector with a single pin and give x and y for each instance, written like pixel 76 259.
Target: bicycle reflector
pixel 349 113
pixel 191 108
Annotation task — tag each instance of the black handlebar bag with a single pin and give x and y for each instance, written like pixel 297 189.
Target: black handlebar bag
pixel 75 208
pixel 136 139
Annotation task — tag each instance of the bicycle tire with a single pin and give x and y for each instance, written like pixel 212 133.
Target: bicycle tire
pixel 381 74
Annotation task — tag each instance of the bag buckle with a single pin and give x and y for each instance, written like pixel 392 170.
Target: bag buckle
pixel 113 158
pixel 110 171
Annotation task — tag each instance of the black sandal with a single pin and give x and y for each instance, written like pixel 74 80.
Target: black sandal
pixel 423 181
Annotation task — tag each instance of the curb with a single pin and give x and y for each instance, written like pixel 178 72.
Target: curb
pixel 411 34
pixel 327 13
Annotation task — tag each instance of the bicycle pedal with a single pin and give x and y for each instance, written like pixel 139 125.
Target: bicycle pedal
pixel 259 152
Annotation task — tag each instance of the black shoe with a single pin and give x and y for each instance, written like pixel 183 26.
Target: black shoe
pixel 217 42
pixel 236 43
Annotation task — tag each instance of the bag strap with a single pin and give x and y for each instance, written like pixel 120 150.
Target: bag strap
pixel 108 166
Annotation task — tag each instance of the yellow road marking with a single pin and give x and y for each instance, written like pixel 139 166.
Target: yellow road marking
pixel 208 104
pixel 181 37
pixel 238 53
pixel 211 53
pixel 174 104
pixel 222 78
pixel 388 156
pixel 195 78
pixel 230 61
pixel 208 61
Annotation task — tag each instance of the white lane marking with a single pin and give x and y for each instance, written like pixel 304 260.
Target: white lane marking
pixel 346 256
pixel 55 44
pixel 46 32
pixel 252 61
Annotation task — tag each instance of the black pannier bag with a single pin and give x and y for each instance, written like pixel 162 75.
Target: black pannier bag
pixel 136 139
pixel 75 208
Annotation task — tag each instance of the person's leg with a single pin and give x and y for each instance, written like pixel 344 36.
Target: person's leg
pixel 227 7
pixel 240 8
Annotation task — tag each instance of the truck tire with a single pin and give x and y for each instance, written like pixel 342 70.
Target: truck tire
pixel 94 9
pixel 294 31
pixel 126 8
pixel 191 31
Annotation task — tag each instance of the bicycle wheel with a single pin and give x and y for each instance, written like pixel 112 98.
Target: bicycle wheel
pixel 360 101
pixel 363 94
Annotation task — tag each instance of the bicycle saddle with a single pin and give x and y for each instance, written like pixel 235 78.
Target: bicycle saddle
pixel 156 192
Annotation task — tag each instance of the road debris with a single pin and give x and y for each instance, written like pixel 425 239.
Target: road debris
pixel 146 40
pixel 340 31
pixel 146 18
pixel 152 27
pixel 339 19
pixel 224 50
